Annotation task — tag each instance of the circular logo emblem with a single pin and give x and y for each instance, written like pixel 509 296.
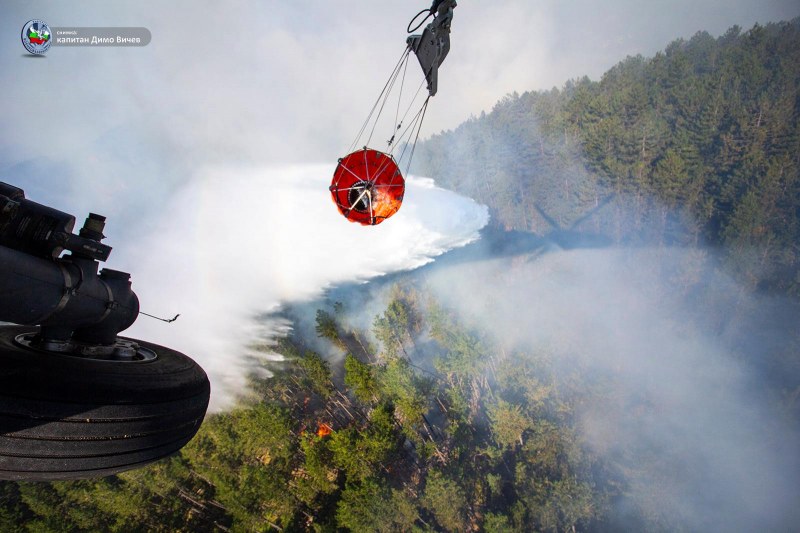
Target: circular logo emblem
pixel 36 36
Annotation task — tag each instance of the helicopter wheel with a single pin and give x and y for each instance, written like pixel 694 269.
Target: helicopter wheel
pixel 75 417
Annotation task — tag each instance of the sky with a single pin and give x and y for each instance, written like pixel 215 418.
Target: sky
pixel 288 82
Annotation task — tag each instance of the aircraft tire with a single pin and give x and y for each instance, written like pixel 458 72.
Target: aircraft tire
pixel 70 417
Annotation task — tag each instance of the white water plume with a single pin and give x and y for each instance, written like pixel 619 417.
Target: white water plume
pixel 236 243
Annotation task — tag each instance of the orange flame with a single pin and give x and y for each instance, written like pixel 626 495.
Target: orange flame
pixel 324 430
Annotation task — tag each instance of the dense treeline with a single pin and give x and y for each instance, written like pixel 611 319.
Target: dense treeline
pixel 479 440
pixel 697 145
pixel 426 422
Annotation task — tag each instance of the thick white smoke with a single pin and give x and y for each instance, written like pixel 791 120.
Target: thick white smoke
pixel 682 351
pixel 236 243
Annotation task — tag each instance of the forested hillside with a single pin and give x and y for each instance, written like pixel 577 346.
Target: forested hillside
pixel 697 145
pixel 417 418
pixel 373 443
pixel 432 423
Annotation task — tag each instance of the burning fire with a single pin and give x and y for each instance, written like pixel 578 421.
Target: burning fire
pixel 324 430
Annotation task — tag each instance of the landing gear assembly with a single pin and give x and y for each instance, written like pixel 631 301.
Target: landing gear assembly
pixel 76 399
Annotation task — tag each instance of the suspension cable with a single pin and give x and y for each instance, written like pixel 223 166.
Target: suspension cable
pixel 408 110
pixel 416 122
pixel 383 97
pixel 386 87
pixel 397 111
pixel 395 74
pixel 416 137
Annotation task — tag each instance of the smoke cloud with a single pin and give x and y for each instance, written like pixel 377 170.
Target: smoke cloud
pixel 237 243
pixel 693 366
pixel 690 381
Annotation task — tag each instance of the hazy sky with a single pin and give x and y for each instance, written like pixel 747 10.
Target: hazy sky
pixel 291 82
